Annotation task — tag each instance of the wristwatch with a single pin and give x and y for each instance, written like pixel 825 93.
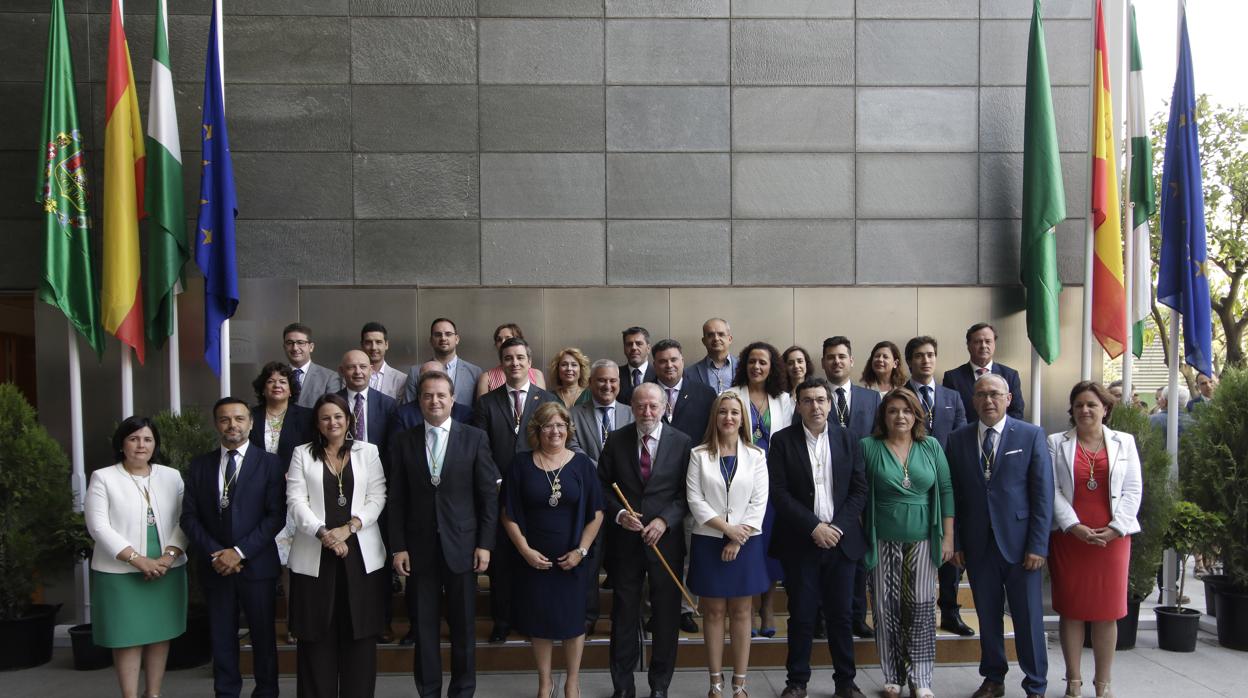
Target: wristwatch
pixel 583 552
pixel 352 527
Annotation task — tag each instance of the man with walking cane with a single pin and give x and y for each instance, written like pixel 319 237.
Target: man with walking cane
pixel 647 462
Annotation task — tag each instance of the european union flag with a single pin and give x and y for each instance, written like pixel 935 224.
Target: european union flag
pixel 218 205
pixel 1182 280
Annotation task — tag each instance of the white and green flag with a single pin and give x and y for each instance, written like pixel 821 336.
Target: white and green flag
pixel 1143 198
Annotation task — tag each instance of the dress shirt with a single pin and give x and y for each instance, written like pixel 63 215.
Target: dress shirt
pixel 363 406
pixel 848 387
pixel 511 399
pixel 820 462
pixel 374 380
pixel 446 434
pixel 975 369
pixel 598 418
pixel 451 366
pixel 722 374
pixel 643 367
pixel 238 471
pixel 300 372
pixel 999 427
pixel 672 394
pixel 654 449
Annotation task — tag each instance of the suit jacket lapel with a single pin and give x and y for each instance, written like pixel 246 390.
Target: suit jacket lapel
pixel 803 456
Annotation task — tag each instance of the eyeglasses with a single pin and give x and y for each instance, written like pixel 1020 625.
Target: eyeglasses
pixel 296 342
pixel 555 426
pixel 994 396
pixel 821 400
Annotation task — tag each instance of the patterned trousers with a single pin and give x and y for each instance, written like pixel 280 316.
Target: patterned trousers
pixel 903 593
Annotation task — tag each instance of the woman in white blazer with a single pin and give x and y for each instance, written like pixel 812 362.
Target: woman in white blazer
pixel 335 491
pixel 138 573
pixel 762 384
pixel 1096 475
pixel 726 484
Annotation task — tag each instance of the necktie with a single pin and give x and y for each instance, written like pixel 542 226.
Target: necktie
pixel 987 457
pixel 606 423
pixel 516 406
pixel 927 404
pixel 646 462
pixel 227 491
pixel 436 452
pixel 980 371
pixel 842 410
pixel 671 403
pixel 359 417
pixel 231 469
pixel 636 377
pixel 299 376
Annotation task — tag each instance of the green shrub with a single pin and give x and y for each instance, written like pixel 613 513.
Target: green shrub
pixel 1192 531
pixel 1156 499
pixel 184 436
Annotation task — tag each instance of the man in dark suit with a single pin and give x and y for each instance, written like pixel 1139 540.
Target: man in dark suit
pixel 503 414
pixel 818 490
pixel 371 407
pixel 717 369
pixel 595 419
pixel 1003 495
pixel 853 408
pixel 688 402
pixel 408 414
pixel 314 380
pixel 944 414
pixel 648 462
pixel 637 369
pixel 981 345
pixel 443 520
pixel 233 505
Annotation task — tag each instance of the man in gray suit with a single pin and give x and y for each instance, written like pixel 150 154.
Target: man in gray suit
pixel 719 366
pixel 314 381
pixel 444 339
pixel 375 342
pixel 593 420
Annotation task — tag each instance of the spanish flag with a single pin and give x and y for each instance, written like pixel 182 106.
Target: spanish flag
pixel 1109 319
pixel 121 296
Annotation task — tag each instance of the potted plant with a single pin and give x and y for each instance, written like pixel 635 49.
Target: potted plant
pixel 1192 530
pixel 1214 453
pixel 1156 509
pixel 182 437
pixel 39 529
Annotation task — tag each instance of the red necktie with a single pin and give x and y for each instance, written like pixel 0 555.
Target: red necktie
pixel 645 458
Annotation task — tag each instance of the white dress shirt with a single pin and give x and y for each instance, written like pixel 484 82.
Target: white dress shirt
pixel 445 428
pixel 999 427
pixel 238 472
pixel 374 379
pixel 654 449
pixel 820 452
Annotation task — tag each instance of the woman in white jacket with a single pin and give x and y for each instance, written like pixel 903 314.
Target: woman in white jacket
pixel 1096 472
pixel 138 573
pixel 727 489
pixel 339 580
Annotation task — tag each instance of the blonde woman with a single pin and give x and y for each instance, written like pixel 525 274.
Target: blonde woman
pixel 726 485
pixel 570 375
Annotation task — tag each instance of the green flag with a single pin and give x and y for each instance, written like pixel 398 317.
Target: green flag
pixel 166 242
pixel 1044 201
pixel 1143 197
pixel 68 275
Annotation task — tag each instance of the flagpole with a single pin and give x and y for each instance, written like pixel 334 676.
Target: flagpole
pixel 225 357
pixel 1170 561
pixel 175 369
pixel 225 324
pixel 78 478
pixel 1036 367
pixel 1089 255
pixel 1128 217
pixel 127 382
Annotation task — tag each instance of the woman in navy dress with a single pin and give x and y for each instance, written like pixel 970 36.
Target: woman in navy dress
pixel 727 486
pixel 552 510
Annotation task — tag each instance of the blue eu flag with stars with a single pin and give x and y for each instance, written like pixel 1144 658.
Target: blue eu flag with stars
pixel 218 205
pixel 1182 279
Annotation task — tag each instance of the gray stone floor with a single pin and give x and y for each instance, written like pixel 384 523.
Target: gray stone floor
pixel 1145 672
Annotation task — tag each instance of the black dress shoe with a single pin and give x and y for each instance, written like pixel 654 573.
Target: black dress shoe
pixel 408 639
pixel 624 694
pixel 648 626
pixel 499 633
pixel 862 630
pixel 687 623
pixel 658 693
pixel 989 689
pixel 953 623
pixel 793 691
pixel 849 690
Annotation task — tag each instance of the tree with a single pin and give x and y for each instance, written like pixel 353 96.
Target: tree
pixel 1224 164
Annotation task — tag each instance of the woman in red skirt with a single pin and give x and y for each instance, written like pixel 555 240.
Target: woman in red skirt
pixel 1097 474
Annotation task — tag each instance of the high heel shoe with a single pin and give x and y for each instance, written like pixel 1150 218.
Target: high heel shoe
pixel 891 690
pixel 717 687
pixel 1102 689
pixel 1073 687
pixel 738 689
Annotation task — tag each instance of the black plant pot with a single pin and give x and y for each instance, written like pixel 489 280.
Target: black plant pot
pixel 27 641
pixel 1233 617
pixel 194 647
pixel 1213 584
pixel 1177 628
pixel 1127 627
pixel 88 656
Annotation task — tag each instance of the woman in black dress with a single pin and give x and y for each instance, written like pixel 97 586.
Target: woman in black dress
pixel 552 510
pixel 339 581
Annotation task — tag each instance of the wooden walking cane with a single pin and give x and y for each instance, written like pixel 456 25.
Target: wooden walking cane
pixel 655 546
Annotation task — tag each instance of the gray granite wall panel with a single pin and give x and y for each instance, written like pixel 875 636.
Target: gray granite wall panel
pixel 414 8
pixel 792 119
pixel 921 252
pixel 22 266
pixel 783 185
pixel 668 185
pixel 791 52
pixel 188 41
pixel 671 51
pixel 288 186
pixel 1003 52
pixel 918 9
pixel 667 118
pixel 793 8
pixel 1021 9
pixel 541 51
pixel 1001 111
pixel 285 118
pixel 795 253
pixel 539 8
pixel 25 45
pixel 543 253
pixel 409 50
pixel 278 50
pixel 541 118
pixel 1001 183
pixel 415 118
pixel 415 185
pixel 669 253
pixel 917 119
pixel 917 186
pixel 315 252
pixel 999 242
pixel 667 8
pixel 917 52
pixel 424 252
pixel 542 185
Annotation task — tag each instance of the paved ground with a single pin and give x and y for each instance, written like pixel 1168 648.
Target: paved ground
pixel 1145 672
